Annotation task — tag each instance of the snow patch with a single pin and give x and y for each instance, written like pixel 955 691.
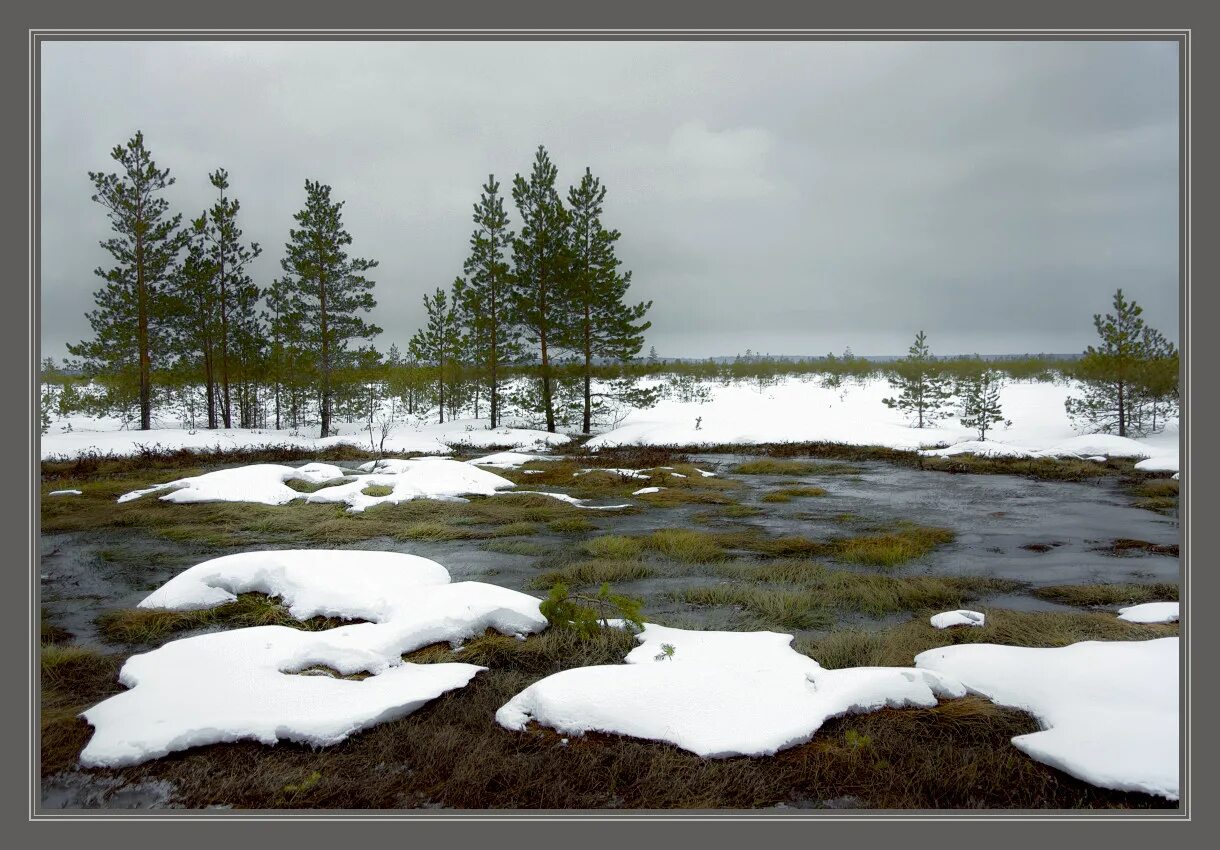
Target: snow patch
pixel 1109 709
pixel 244 684
pixel 64 493
pixel 1150 612
pixel 717 694
pixel 957 618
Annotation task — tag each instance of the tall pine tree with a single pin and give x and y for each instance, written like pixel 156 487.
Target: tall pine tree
pixel 131 324
pixel 197 317
pixel 489 291
pixel 236 294
pixel 326 291
pixel 603 325
pixel 541 302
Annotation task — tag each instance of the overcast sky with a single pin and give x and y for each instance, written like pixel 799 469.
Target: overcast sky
pixel 795 197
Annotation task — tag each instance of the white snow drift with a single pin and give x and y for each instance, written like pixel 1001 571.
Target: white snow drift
pixel 417 478
pixel 247 683
pixel 718 694
pixel 1109 709
pixel 1150 612
pixel 948 619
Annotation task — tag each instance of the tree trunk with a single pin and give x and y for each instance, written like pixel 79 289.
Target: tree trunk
pixel 325 412
pixel 142 333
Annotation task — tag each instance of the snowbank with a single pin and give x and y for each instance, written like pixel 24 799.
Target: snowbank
pixel 948 619
pixel 1109 709
pixel 507 460
pixel 251 683
pixel 717 694
pixel 418 478
pixel 795 410
pixel 105 437
pixel 1150 612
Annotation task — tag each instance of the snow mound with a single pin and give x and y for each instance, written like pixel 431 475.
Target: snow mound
pixel 1109 710
pixel 1109 445
pixel 1159 463
pixel 64 493
pixel 957 618
pixel 311 582
pixel 988 449
pixel 717 694
pixel 249 683
pixel 644 491
pixel 417 478
pixel 1150 612
pixel 507 460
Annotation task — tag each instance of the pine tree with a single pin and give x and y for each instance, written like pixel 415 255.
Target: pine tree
pixel 541 270
pixel 603 325
pixel 1113 373
pixel 924 393
pixel 326 289
pixel 490 291
pixel 980 399
pixel 197 317
pixel 439 342
pixel 236 294
pixel 130 322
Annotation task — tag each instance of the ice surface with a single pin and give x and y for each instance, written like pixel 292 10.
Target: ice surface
pixel 1109 710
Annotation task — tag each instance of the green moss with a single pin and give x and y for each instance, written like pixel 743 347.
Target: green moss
pixel 377 490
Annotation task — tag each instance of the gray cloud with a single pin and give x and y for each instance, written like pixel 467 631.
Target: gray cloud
pixel 786 197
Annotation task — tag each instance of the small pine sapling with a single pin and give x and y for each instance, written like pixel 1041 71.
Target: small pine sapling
pixel 980 398
pixel 587 615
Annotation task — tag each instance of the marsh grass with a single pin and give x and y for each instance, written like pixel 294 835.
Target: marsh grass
pixel 594 572
pixel 302 486
pixel 1089 595
pixel 686 546
pixel 613 546
pixel 787 494
pixel 571 525
pixel 377 490
pixel 868 593
pixel 898 646
pixel 528 548
pixel 786 609
pixel 71 679
pixel 225 524
pixel 153 625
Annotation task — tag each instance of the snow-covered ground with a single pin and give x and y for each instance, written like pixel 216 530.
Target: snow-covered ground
pixel 796 410
pixel 1109 710
pixel 105 436
pixel 247 684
